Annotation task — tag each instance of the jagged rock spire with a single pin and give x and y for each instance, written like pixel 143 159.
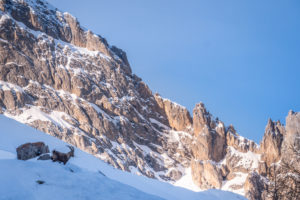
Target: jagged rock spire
pixel 270 146
pixel 201 119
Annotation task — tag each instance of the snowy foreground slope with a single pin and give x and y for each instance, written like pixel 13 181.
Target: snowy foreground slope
pixel 83 177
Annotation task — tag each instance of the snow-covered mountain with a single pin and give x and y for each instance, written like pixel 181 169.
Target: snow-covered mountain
pixel 83 177
pixel 69 82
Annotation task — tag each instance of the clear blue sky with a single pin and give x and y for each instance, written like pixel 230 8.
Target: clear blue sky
pixel 241 58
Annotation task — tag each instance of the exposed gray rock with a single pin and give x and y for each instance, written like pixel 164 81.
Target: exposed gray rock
pixel 255 186
pixel 31 150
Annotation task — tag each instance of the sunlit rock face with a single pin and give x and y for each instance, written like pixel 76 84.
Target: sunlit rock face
pixel 271 144
pixel 279 167
pixel 209 134
pixel 70 83
pixel 178 116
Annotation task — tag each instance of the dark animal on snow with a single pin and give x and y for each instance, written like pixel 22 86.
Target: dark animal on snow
pixel 62 157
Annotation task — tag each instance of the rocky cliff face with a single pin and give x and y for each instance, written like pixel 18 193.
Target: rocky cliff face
pixel 70 83
pixel 270 146
pixel 278 173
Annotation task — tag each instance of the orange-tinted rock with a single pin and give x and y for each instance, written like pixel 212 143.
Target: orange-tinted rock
pixel 206 174
pixel 270 146
pixel 178 116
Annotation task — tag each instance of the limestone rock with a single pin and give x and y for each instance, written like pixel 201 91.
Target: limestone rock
pixel 270 146
pixel 206 175
pixel 240 143
pixel 254 186
pixel 262 168
pixel 201 119
pixel 178 116
pixel 31 150
pixel 203 147
pixel 292 123
pixel 210 135
pixel 122 55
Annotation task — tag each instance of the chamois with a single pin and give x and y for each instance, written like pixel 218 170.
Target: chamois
pixel 62 157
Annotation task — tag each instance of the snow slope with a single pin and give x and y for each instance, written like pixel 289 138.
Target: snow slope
pixel 83 177
pixel 19 181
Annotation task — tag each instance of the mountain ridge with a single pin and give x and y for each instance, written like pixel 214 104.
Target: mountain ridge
pixel 92 178
pixel 70 83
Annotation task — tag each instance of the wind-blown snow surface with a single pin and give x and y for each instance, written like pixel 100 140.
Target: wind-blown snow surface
pixel 83 177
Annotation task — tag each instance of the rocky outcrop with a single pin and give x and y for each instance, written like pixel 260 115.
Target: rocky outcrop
pixel 208 149
pixel 61 26
pixel 31 150
pixel 206 174
pixel 210 135
pixel 178 116
pixel 82 38
pixel 201 119
pixel 240 143
pixel 255 187
pixel 292 124
pixel 270 146
pixel 279 170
